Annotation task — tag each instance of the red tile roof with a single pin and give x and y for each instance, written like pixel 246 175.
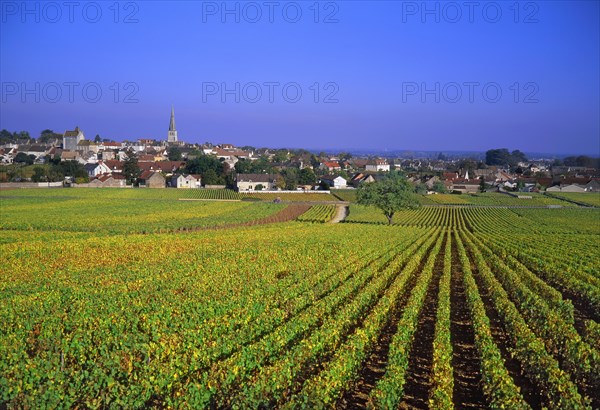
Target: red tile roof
pixel 331 164
pixel 145 158
pixel 450 175
pixel 165 166
pixel 114 164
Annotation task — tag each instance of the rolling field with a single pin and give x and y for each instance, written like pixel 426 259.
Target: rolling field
pixel 126 193
pixel 348 195
pixel 452 307
pixel 589 198
pixel 124 215
pixel 497 199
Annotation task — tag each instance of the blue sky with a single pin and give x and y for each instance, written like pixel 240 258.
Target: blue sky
pixel 349 74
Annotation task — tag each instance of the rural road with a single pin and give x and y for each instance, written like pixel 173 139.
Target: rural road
pixel 341 212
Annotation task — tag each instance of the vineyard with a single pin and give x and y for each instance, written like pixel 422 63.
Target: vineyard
pixel 220 194
pixel 124 215
pixel 452 307
pixel 318 213
pixel 588 198
pixel 128 193
pixel 291 197
pixel 348 195
pixel 498 199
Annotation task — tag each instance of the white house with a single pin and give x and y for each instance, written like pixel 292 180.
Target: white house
pixel 377 165
pixel 255 182
pixel 335 182
pixel 96 169
pixel 185 181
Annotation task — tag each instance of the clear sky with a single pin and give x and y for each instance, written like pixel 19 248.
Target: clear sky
pixel 348 74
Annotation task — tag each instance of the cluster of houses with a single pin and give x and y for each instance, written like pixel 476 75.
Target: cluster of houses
pixel 463 181
pixel 103 161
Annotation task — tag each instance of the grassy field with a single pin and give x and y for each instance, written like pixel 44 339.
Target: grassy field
pixel 125 193
pixel 454 307
pixel 121 210
pixel 348 195
pixel 365 214
pixel 589 198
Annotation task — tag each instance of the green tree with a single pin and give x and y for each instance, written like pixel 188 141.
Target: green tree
pixel 210 177
pixel 390 194
pixel 245 166
pixel 55 174
pixel 23 158
pixel 497 157
pixel 439 187
pixel 279 182
pixel 48 135
pixel 421 188
pixel 502 157
pixel 582 161
pixel 174 154
pixel 131 169
pixel 482 185
pixel 518 156
pixel 344 156
pixel 467 165
pixel 259 166
pixel 306 176
pixel 5 136
pixel 22 135
pixel 314 161
pixel 195 153
pixel 97 139
pixel 73 169
pixel 290 176
pixel 202 164
pixel 280 156
pixel 39 174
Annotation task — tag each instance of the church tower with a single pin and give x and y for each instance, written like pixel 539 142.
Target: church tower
pixel 172 137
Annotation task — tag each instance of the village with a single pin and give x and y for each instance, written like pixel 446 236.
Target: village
pixel 70 159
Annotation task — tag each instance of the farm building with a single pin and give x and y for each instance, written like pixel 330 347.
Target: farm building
pixel 255 182
pixel 185 181
pixel 377 165
pixel 335 182
pixel 152 179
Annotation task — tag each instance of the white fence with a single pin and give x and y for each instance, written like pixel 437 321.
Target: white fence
pixel 7 185
pixel 264 191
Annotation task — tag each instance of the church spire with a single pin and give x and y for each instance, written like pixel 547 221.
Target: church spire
pixel 172 122
pixel 172 135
